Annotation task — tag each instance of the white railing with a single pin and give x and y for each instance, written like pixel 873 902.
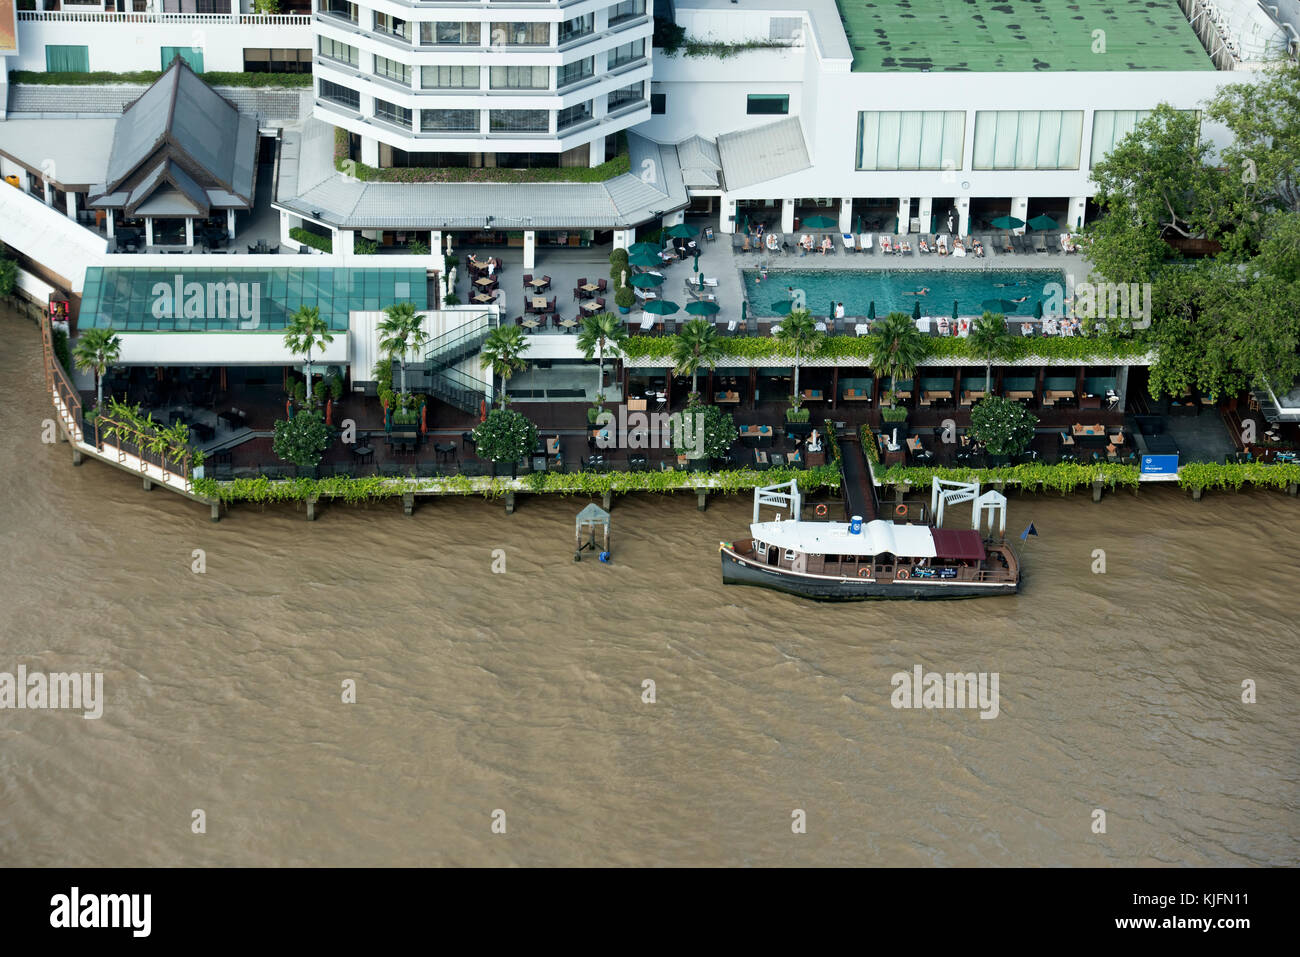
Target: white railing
pixel 95 16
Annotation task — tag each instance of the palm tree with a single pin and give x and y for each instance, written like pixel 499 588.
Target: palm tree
pixel 601 334
pixel 990 340
pixel 97 349
pixel 306 332
pixel 503 351
pixel 799 329
pixel 401 331
pixel 697 345
pixel 902 347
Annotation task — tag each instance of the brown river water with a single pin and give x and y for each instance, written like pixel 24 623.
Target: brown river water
pixel 522 691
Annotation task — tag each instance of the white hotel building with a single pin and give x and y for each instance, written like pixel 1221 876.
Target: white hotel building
pixel 897 116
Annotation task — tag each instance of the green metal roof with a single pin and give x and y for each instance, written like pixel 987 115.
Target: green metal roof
pixel 1020 35
pixel 144 299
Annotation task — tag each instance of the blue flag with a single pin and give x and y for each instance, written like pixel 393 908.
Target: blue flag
pixel 1024 536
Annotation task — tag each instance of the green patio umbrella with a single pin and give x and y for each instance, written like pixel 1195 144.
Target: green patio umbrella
pixel 1043 223
pixel 871 310
pixel 857 224
pixel 697 260
pixel 645 280
pixel 660 307
pixel 819 222
pixel 681 231
pixel 916 309
pixel 783 306
pixel 744 224
pixel 1004 306
pixel 644 259
pixel 1007 222
pixel 744 309
pixel 1038 309
pixel 703 308
pixel 651 248
pixel 954 310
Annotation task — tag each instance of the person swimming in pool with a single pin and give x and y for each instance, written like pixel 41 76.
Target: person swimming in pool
pixel 923 291
pixel 1021 299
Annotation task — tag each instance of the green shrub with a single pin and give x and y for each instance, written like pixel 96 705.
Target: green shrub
pixel 624 297
pixel 316 241
pixel 1004 425
pixel 62 351
pixel 364 247
pixel 303 439
pixel 417 247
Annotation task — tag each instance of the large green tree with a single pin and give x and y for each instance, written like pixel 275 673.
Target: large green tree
pixel 401 331
pixel 306 332
pixel 96 350
pixel 990 339
pixel 503 353
pixel 799 330
pixel 601 335
pixel 505 436
pixel 902 348
pixel 697 345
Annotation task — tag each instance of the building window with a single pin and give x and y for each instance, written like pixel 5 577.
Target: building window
pixel 449 121
pixel 625 54
pixel 519 121
pixel 577 27
pixel 392 70
pixel 911 139
pixel 784 28
pixel 449 77
pixel 626 11
pixel 1028 139
pixel 261 60
pixel 1111 126
pixel 519 77
pixel 393 26
pixel 340 8
pixel 628 94
pixel 573 115
pixel 67 59
pixel 764 103
pixel 334 50
pixel 342 95
pixel 192 57
pixel 521 34
pixel 658 104
pixel 392 113
pixel 574 72
pixel 449 33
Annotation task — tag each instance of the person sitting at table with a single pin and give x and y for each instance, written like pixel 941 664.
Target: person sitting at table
pixel 491 267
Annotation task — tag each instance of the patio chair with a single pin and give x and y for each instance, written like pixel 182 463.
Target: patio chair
pixel 577 293
pixel 602 286
pixel 1040 243
pixel 546 283
pixel 528 277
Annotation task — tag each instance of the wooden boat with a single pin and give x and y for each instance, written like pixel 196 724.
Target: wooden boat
pixel 830 561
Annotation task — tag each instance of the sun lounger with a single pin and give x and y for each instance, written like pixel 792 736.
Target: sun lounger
pixel 924 246
pixel 942 245
pixel 772 242
pixel 1040 243
pixel 886 244
pixel 644 293
pixel 864 243
pixel 902 246
pixel 849 244
pixel 958 247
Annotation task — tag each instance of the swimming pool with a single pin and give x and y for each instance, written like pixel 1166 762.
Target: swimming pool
pixel 893 290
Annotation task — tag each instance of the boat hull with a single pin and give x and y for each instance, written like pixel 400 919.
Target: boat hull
pixel 736 571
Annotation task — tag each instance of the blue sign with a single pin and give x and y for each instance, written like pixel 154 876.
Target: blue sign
pixel 1160 464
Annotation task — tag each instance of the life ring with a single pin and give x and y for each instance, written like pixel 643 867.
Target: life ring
pixel 900 510
pixel 864 572
pixel 901 574
pixel 820 509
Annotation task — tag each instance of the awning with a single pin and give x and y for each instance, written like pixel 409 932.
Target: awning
pixel 962 545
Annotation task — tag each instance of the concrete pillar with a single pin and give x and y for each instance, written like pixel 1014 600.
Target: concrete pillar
pixel 435 246
pixel 344 241
pixel 76 455
pixel 727 216
pixel 904 207
pixel 1097 486
pixel 926 212
pixel 216 510
pixel 1020 210
pixel 596 152
pixel 1121 386
pixel 787 215
pixel 1078 205
pixel 1196 494
pixel 311 507
pixel 370 151
pixel 147 482
pixel 622 238
pixel 230 223
pixel 109 214
pixel 846 214
pixel 510 503
pixel 701 499
pixel 963 215
pixel 530 249
pixel 148 230
pixel 70 198
pixel 607 501
pixel 408 503
pixel 189 231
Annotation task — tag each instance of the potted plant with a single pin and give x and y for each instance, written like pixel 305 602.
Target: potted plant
pixel 1004 426
pixel 624 299
pixel 797 421
pixel 336 388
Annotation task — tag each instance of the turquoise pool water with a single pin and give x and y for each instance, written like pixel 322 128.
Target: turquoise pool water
pixel 890 289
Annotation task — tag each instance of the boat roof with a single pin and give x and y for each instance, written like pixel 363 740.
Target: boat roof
pixel 877 538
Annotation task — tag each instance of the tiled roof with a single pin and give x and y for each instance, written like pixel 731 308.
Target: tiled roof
pixel 763 153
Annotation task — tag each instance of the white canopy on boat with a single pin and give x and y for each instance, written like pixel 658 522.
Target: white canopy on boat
pixel 834 538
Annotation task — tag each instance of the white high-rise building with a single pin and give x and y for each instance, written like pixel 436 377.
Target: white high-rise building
pixel 462 83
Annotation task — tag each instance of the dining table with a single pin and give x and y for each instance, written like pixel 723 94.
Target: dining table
pixel 539 302
pixel 530 323
pixel 569 323
pixel 485 282
pixel 482 297
pixel 538 284
pixel 590 306
pixel 590 288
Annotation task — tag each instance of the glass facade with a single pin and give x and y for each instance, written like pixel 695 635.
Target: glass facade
pixel 911 139
pixel 767 103
pixel 336 50
pixel 520 77
pixel 449 77
pixel 1028 139
pixel 577 27
pixel 519 121
pixel 145 300
pixel 449 33
pixel 574 72
pixel 635 93
pixel 625 54
pixel 392 70
pixel 521 34
pixel 1111 126
pixel 449 121
pixel 573 115
pixel 392 113
pixel 336 93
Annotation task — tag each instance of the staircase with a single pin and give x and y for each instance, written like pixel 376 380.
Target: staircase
pixel 437 374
